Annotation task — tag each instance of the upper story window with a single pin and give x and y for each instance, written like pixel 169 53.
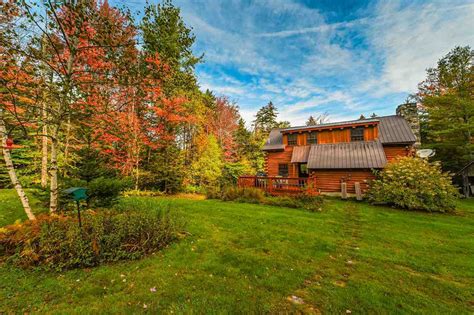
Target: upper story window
pixel 312 138
pixel 292 139
pixel 357 134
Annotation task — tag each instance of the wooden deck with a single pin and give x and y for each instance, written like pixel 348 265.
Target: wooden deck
pixel 280 185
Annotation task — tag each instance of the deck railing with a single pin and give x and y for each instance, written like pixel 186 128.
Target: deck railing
pixel 279 185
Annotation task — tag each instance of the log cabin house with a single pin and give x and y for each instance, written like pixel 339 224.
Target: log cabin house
pixel 323 157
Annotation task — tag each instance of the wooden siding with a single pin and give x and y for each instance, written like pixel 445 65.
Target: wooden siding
pixel 330 180
pixel 272 159
pixel 391 152
pixel 334 135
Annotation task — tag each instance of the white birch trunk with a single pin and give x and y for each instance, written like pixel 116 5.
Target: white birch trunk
pixel 53 171
pixel 11 170
pixel 44 157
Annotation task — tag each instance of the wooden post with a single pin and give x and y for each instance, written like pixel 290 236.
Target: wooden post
pixel 465 184
pixel 343 190
pixel 269 184
pixel 358 191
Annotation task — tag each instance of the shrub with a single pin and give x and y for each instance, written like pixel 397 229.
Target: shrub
pixel 301 201
pixel 104 192
pixel 143 193
pixel 57 242
pixel 255 195
pixel 213 192
pixel 414 184
pixel 243 194
pixel 193 189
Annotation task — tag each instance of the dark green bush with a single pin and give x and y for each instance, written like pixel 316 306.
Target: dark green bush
pixel 255 195
pixel 414 184
pixel 57 242
pixel 241 194
pixel 213 192
pixel 104 192
pixel 300 201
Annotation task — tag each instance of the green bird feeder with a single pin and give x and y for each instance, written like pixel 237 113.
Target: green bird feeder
pixel 77 194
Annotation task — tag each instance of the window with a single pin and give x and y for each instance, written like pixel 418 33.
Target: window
pixel 357 134
pixel 292 139
pixel 312 138
pixel 283 170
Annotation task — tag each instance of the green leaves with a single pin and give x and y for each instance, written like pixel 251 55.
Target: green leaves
pixel 447 97
pixel 414 184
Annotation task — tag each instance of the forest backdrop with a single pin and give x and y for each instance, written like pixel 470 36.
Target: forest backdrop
pixel 90 94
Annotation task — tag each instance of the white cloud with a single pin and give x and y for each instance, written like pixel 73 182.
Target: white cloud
pixel 283 51
pixel 413 38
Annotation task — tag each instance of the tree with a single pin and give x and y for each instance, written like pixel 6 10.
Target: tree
pixel 224 124
pixel 207 169
pixel 16 94
pixel 446 99
pixel 266 118
pixel 311 121
pixel 164 32
pixel 321 119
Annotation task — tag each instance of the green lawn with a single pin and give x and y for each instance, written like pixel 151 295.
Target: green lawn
pixel 243 258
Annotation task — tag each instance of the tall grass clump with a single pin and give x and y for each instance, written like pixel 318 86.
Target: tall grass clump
pixel 243 194
pixel 58 243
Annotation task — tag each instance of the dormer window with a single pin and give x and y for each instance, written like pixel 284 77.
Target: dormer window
pixel 357 134
pixel 292 139
pixel 312 138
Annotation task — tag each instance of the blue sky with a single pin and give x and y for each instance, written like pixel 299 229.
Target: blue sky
pixel 345 58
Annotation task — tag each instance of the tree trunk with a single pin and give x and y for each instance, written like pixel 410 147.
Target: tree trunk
pixel 44 153
pixel 53 171
pixel 66 147
pixel 44 138
pixel 11 170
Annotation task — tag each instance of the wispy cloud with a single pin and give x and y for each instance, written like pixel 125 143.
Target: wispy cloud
pixel 310 59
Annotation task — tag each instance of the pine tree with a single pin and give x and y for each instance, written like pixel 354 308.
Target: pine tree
pixel 164 32
pixel 266 118
pixel 311 121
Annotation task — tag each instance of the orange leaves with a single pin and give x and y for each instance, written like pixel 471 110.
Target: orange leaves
pixel 19 86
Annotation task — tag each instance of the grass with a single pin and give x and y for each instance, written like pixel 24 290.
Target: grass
pixel 244 258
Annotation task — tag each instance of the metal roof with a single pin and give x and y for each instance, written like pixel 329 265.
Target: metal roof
pixel 274 141
pixel 364 154
pixel 300 154
pixel 392 129
pixel 395 129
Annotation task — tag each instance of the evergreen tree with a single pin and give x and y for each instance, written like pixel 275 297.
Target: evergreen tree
pixel 242 136
pixel 311 121
pixel 164 32
pixel 266 118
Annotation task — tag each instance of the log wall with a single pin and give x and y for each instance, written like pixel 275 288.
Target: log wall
pixel 334 135
pixel 391 152
pixel 273 159
pixel 330 180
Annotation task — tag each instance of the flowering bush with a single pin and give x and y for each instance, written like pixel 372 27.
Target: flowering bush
pixel 414 184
